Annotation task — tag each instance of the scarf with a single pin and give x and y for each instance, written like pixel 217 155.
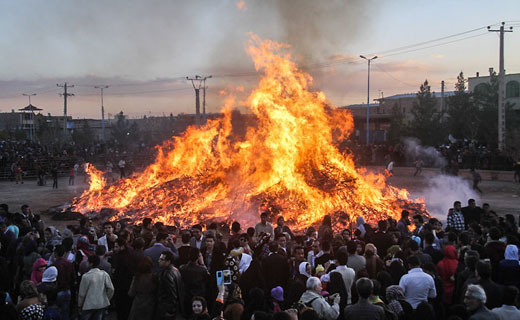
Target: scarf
pixel 393 295
pixel 360 226
pixel 303 269
pixel 36 274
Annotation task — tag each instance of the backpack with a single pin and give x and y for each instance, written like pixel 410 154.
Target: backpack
pixel 302 306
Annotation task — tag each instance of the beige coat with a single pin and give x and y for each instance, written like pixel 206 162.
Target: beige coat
pixel 95 290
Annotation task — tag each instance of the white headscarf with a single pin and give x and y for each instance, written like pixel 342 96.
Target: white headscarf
pixel 511 252
pixel 360 221
pixel 303 269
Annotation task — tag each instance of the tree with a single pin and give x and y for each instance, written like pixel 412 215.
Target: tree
pixel 125 132
pixel 397 128
pixel 426 123
pixel 463 118
pixel 485 97
pixel 83 136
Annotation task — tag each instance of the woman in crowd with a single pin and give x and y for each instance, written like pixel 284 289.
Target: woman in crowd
pixel 30 306
pixel 143 289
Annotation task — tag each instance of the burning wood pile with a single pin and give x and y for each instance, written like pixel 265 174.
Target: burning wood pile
pixel 288 163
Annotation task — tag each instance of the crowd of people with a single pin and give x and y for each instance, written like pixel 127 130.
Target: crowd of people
pixel 413 268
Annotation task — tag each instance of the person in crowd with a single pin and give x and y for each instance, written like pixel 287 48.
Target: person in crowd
pixel 363 309
pixel 447 268
pixel 276 268
pixel 476 179
pixel 355 261
pixel 434 251
pixel 475 300
pixel 495 250
pixel 347 274
pixel 103 263
pixel 49 292
pixel 327 255
pixel 314 253
pixel 282 228
pixel 38 268
pixel 415 250
pixel 456 218
pixel 170 292
pixel 418 222
pixel 395 296
pixel 374 264
pixel 147 231
pixel 65 282
pixel 199 309
pixel 381 239
pixel 30 306
pixel 109 238
pixel 417 285
pixel 184 249
pixel 95 291
pixel 509 267
pixel 325 232
pixel 403 223
pixel 312 298
pixel 155 251
pixel 235 234
pixel 508 310
pixel 264 226
pixel 195 277
pixel 124 266
pixel 143 290
pixel 196 239
pixel 493 290
pixel 472 213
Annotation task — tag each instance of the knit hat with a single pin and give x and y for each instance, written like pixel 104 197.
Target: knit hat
pixel 50 274
pixel 277 293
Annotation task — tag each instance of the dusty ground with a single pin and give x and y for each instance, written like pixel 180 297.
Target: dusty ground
pixel 504 196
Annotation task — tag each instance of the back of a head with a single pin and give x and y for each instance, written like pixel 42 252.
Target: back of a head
pixel 471 258
pixel 510 295
pixel 382 225
pixel 281 315
pixel 494 233
pixel 424 311
pixel 185 237
pixel 101 250
pixel 59 250
pixel 312 282
pixel 414 262
pixel 161 236
pixel 429 238
pixel 262 315
pixel 484 269
pixel 477 292
pixel 194 254
pixel 94 260
pixel 28 289
pixel 364 287
pixel 273 246
pixel 351 247
pixel 139 243
pixel 413 245
pixel 309 314
pixel 342 257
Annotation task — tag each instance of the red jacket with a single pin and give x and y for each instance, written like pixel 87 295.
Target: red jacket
pixel 446 268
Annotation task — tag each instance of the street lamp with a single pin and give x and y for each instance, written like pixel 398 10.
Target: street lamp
pixel 102 113
pixel 368 96
pixel 29 95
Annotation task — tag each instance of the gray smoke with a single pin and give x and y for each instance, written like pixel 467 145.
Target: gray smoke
pixel 442 191
pixel 429 155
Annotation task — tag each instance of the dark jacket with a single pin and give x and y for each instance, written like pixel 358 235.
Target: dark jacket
pixel 195 279
pixel 170 294
pixel 276 271
pixel 364 310
pixel 144 290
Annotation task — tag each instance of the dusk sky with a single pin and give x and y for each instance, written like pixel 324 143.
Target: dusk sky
pixel 144 49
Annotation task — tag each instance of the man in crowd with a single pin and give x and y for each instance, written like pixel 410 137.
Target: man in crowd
pixel 508 310
pixel 263 226
pixel 403 223
pixel 159 247
pixel 312 298
pixel 417 285
pixel 196 239
pixel 170 293
pixel 276 268
pixel 355 261
pixel 65 281
pixel 95 291
pixel 109 239
pixel 475 299
pixel 347 273
pixel 456 218
pixel 472 213
pixel 195 277
pixel 363 309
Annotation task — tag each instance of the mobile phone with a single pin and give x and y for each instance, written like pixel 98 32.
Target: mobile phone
pixel 227 276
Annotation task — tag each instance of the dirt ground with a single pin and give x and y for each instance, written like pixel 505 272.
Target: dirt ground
pixel 504 196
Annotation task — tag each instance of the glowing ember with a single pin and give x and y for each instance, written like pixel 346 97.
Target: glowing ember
pixel 288 163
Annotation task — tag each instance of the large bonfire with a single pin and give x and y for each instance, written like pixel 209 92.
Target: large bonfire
pixel 288 163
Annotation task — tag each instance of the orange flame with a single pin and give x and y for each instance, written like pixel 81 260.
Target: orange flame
pixel 241 5
pixel 288 163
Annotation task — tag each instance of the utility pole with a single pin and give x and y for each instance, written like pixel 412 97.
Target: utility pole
pixel 196 87
pixel 29 95
pixel 65 95
pixel 102 112
pixel 442 96
pixel 501 90
pixel 368 96
pixel 204 98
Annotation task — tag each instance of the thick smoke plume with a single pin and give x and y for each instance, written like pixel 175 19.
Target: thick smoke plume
pixel 429 155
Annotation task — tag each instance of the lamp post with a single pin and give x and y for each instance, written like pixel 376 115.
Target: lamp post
pixel 29 95
pixel 368 96
pixel 102 112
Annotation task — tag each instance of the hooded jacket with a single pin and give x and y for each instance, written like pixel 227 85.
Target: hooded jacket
pixel 447 268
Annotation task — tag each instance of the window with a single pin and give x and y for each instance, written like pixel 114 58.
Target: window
pixel 481 88
pixel 512 89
